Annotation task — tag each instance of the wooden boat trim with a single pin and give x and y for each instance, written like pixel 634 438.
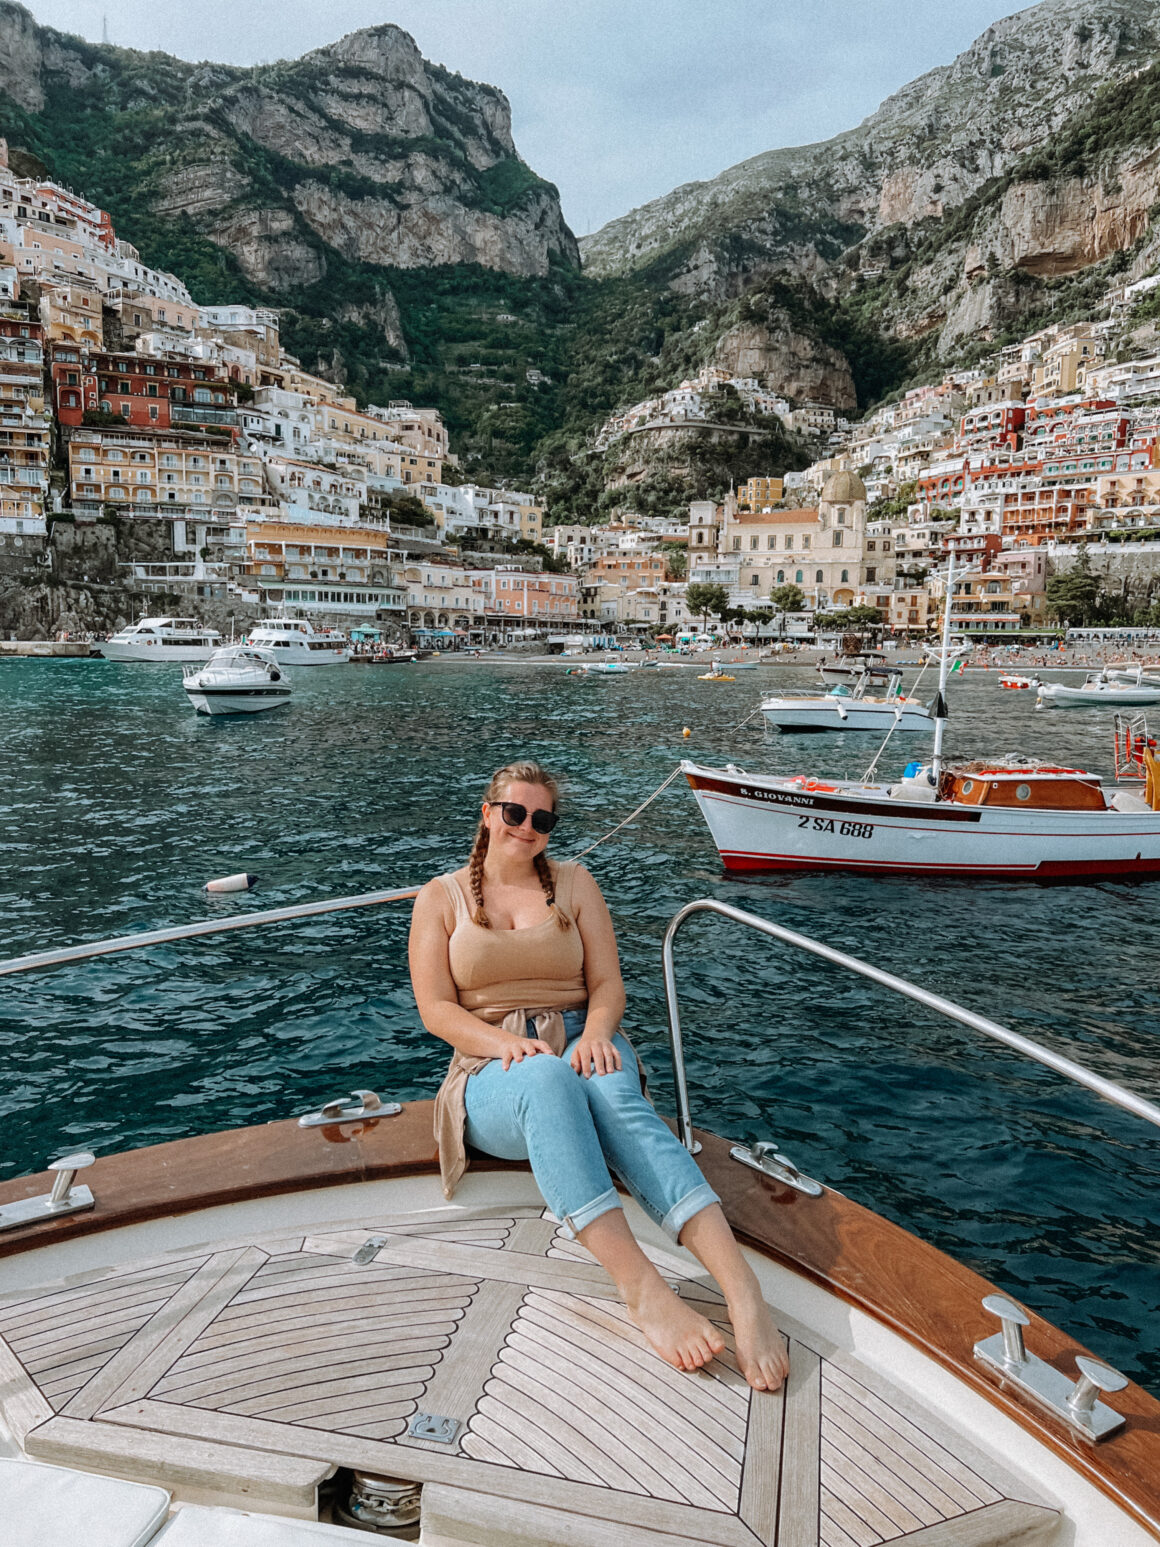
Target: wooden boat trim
pixel 861 1258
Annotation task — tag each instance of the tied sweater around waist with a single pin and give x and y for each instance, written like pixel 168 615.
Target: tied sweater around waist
pixel 507 977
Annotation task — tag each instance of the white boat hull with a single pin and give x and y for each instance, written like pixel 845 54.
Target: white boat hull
pixel 305 655
pixel 1110 695
pixel 237 700
pixel 155 650
pixel 841 714
pixel 760 822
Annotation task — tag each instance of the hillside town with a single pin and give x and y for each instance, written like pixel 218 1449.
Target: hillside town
pixel 124 401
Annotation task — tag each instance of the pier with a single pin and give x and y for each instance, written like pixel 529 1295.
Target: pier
pixel 72 649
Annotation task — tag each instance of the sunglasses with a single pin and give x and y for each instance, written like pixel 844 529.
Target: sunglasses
pixel 515 815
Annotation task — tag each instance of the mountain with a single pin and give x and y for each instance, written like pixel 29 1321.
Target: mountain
pixel 380 202
pixel 376 197
pixel 924 152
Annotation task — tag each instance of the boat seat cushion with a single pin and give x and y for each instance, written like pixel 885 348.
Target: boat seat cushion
pixel 196 1526
pixel 53 1506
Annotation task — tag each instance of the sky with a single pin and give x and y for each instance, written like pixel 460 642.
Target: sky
pixel 615 101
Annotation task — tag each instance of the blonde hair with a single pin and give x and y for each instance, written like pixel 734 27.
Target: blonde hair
pixel 513 773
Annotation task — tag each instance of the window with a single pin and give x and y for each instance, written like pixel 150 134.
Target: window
pixel 781 577
pixel 753 542
pixel 871 546
pixel 845 577
pixel 737 545
pixel 797 577
pixel 817 577
pixel 841 518
pixel 805 540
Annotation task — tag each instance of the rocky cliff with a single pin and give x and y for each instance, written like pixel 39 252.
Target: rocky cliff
pixel 924 152
pixel 362 148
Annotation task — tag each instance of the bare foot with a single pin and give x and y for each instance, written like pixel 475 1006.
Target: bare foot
pixel 680 1335
pixel 761 1349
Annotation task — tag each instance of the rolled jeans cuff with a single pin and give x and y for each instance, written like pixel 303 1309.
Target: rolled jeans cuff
pixel 682 1211
pixel 580 1219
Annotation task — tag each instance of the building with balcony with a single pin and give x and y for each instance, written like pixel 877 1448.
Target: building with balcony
pixel 164 473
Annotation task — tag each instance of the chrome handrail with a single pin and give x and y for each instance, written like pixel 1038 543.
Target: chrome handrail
pixel 304 910
pixel 1065 1066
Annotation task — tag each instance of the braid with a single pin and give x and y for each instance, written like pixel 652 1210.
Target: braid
pixel 544 871
pixel 475 875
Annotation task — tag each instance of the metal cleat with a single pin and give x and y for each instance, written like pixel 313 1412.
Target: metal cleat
pixel 367 1107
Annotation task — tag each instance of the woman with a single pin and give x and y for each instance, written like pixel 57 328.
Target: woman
pixel 514 963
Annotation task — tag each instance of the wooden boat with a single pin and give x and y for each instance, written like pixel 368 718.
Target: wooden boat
pixel 994 818
pixel 273 1326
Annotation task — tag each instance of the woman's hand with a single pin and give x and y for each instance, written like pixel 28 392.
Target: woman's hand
pixel 595 1054
pixel 523 1047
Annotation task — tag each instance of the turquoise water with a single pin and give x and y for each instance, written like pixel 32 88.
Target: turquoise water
pixel 119 803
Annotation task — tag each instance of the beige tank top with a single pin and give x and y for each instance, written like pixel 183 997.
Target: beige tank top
pixel 505 976
pixel 500 970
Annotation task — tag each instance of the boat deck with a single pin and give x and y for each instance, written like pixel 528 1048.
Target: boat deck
pixel 259 1368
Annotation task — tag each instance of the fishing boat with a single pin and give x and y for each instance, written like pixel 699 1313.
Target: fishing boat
pixel 1005 818
pixel 296 642
pixel 1099 690
pixel 162 639
pixel 283 1335
pixel 237 680
pixel 850 708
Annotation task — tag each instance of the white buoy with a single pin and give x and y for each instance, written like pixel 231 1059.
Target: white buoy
pixel 242 882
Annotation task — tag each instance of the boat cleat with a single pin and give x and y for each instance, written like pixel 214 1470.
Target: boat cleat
pixel 765 1156
pixel 1075 1402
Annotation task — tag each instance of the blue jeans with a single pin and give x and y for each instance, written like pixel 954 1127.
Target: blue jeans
pixel 573 1129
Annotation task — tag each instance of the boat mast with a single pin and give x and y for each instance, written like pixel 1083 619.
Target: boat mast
pixel 940 702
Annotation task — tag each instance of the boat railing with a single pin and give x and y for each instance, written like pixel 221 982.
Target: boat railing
pixel 1071 1070
pixel 1108 1089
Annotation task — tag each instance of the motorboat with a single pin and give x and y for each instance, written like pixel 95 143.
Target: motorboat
pixel 715 674
pixel 1136 675
pixel 237 680
pixel 608 669
pixel 296 642
pixel 849 667
pixel 850 708
pixel 285 1336
pixel 1006 817
pixel 1099 690
pixel 162 639
pixel 1019 684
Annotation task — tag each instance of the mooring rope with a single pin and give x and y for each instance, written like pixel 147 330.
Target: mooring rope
pixel 674 775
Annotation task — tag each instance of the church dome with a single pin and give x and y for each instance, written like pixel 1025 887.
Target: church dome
pixel 843 489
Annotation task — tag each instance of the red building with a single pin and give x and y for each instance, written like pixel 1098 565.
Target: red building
pixel 997 425
pixel 148 392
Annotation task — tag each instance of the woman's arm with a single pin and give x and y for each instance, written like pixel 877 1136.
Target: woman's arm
pixel 595 1051
pixel 432 921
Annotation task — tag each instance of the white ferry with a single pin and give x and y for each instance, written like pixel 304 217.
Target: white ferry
pixel 162 639
pixel 296 642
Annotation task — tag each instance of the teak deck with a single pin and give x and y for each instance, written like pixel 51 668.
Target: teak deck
pixel 268 1364
pixel 511 1289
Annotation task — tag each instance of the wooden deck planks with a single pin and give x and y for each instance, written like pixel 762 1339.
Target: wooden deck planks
pixel 144 1358
pixel 799 1498
pixel 502 1323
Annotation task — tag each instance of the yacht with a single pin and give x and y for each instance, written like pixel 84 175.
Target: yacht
pixel 853 708
pixel 296 642
pixel 237 680
pixel 285 1336
pixel 162 639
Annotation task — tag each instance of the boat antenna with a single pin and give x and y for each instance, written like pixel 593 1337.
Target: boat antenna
pixel 940 701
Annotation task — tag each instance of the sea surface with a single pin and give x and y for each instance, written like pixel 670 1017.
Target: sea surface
pixel 118 803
